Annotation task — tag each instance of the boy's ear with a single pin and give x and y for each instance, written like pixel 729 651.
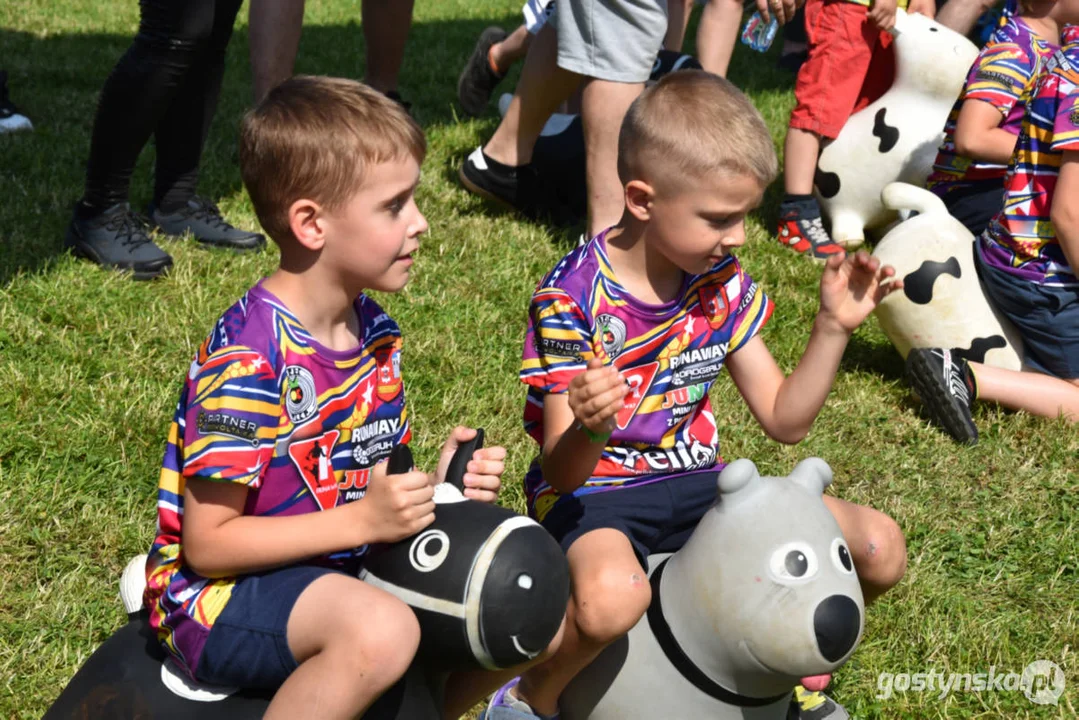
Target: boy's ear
pixel 308 223
pixel 639 196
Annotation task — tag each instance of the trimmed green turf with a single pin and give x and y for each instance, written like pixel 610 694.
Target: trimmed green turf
pixel 92 364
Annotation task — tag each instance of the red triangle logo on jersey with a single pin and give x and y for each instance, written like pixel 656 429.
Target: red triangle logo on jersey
pixel 639 380
pixel 715 305
pixel 314 460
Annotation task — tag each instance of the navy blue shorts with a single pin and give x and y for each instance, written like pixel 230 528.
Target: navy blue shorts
pixel 1047 317
pixel 658 517
pixel 248 645
pixel 975 205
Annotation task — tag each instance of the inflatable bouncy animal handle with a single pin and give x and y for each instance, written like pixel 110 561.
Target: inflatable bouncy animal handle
pixel 943 303
pixel 896 137
pixel 490 592
pixel 488 586
pixel 763 594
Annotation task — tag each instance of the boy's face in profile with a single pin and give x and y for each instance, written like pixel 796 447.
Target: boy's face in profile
pixel 372 238
pixel 696 222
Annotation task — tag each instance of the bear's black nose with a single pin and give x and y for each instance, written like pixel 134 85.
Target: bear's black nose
pixel 836 622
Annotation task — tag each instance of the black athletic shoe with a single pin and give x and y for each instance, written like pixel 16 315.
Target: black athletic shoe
pixel 396 97
pixel 11 120
pixel 203 220
pixel 119 239
pixel 478 80
pixel 512 187
pixel 946 385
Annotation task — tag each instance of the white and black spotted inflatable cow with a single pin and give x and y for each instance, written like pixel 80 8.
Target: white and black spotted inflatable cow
pixel 896 137
pixel 942 303
pixel 762 594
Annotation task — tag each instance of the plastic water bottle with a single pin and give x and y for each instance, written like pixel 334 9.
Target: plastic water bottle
pixel 757 34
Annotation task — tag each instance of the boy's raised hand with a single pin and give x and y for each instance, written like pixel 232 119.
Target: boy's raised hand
pixel 395 506
pixel 484 471
pixel 595 396
pixel 851 287
pixel 882 13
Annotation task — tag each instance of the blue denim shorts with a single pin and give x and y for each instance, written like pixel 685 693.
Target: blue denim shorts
pixel 1047 317
pixel 657 517
pixel 248 644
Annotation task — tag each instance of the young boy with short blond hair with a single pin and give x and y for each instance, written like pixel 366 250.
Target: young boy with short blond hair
pixel 626 337
pixel 272 484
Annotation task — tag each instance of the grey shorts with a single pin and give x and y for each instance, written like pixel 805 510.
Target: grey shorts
pixel 615 40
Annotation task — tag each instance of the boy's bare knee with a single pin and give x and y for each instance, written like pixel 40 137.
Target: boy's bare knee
pixel 884 557
pixel 381 643
pixel 610 604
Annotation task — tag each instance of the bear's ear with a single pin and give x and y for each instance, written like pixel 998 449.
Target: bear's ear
pixel 736 476
pixel 813 474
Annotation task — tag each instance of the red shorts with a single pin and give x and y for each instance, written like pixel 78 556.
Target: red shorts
pixel 851 63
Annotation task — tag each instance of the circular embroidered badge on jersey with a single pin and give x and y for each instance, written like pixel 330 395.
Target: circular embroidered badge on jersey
pixel 301 401
pixel 1074 116
pixel 612 334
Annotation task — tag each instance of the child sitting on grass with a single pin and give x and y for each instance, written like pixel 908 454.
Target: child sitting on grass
pixel 273 483
pixel 1027 261
pixel 626 337
pixel 979 136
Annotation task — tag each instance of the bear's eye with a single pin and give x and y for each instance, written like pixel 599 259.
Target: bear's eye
pixel 793 561
pixel 841 556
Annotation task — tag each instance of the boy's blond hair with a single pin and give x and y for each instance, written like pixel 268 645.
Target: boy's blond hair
pixel 690 125
pixel 314 138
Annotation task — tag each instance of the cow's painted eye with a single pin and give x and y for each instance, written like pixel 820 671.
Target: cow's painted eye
pixel 793 562
pixel 429 550
pixel 841 557
pixel 524 581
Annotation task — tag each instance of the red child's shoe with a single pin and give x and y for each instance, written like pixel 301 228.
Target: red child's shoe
pixel 805 234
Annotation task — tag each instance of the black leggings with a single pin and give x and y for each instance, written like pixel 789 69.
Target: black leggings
pixel 167 85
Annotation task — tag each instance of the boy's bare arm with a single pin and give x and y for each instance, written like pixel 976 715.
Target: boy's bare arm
pixel 1065 214
pixel 786 407
pixel 592 401
pixel 978 134
pixel 219 540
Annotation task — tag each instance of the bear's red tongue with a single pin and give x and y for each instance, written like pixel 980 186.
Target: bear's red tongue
pixel 816 683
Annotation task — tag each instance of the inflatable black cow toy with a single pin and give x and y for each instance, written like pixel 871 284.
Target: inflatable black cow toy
pixel 488 586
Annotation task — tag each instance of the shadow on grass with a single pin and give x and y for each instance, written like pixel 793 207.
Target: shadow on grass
pixel 879 358
pixel 56 80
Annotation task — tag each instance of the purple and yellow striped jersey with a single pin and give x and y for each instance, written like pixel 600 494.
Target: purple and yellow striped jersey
pixel 1003 75
pixel 669 354
pixel 300 425
pixel 1021 238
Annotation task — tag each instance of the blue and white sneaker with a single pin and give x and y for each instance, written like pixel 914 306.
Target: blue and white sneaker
pixel 504 705
pixel 11 120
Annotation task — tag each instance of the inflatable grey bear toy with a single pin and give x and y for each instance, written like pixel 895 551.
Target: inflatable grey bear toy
pixel 763 594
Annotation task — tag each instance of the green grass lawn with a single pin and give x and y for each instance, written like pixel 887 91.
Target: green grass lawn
pixel 92 362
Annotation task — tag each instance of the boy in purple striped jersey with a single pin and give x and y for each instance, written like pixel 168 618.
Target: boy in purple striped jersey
pixel 627 335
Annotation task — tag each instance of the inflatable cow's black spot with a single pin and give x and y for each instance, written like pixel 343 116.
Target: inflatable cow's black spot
pixel 827 183
pixel 918 285
pixel 888 135
pixel 980 346
pixel 489 588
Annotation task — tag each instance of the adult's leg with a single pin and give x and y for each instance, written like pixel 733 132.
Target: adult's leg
pixel 504 54
pixel 678 12
pixel 370 639
pixel 274 27
pixel 717 34
pixel 610 594
pixel 182 131
pixel 603 106
pixel 172 36
pixel 542 88
pixel 876 544
pixel 385 30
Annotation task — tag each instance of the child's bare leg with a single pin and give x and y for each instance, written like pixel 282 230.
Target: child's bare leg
pixel 717 34
pixel 610 594
pixel 543 86
pixel 386 24
pixel 342 627
pixel 876 544
pixel 800 153
pixel 678 12
pixel 465 689
pixel 504 54
pixel 603 106
pixel 1038 394
pixel 275 27
pixel 962 15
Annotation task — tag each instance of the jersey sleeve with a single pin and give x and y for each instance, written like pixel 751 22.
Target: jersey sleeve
pixel 750 306
pixel 558 343
pixel 1066 122
pixel 234 408
pixel 1000 75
